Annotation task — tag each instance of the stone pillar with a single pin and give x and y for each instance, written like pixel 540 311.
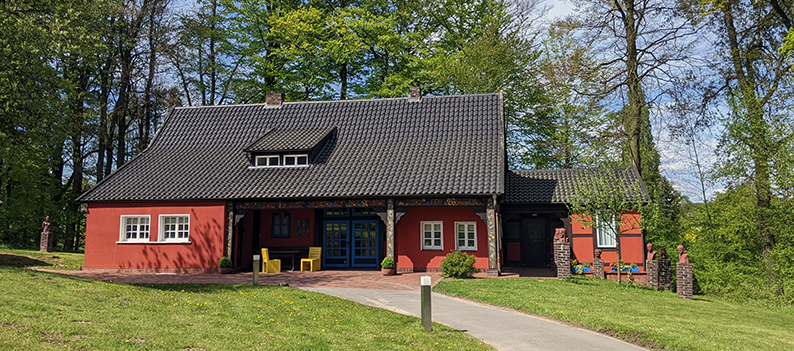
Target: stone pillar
pixel 683 273
pixel 46 242
pixel 562 259
pixel 493 267
pixel 652 273
pixel 390 228
pixel 598 268
pixel 665 274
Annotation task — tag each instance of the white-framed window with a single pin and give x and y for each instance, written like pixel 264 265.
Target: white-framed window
pixel 296 160
pixel 466 236
pixel 135 228
pixel 174 228
pixel 267 161
pixel 605 230
pixel 432 235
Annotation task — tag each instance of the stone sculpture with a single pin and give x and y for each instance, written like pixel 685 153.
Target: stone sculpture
pixel 559 235
pixel 46 225
pixel 651 254
pixel 683 256
pixel 597 253
pixel 662 252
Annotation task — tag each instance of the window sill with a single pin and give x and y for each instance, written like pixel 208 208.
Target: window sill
pixel 424 249
pixel 153 242
pixel 467 249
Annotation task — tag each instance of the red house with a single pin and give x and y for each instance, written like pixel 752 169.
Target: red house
pixel 409 178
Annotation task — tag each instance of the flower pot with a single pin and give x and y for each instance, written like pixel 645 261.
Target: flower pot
pixel 635 269
pixel 388 271
pixel 225 270
pixel 587 269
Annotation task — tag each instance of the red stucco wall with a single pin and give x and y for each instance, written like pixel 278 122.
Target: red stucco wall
pixel 408 242
pixel 103 224
pixel 631 243
pixel 267 240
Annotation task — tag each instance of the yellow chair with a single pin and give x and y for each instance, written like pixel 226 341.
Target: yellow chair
pixel 313 262
pixel 268 265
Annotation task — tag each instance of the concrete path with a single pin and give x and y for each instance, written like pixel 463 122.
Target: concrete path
pixel 502 329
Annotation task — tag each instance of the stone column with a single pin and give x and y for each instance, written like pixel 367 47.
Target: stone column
pixel 46 242
pixel 493 267
pixel 598 268
pixel 652 273
pixel 562 259
pixel 665 274
pixel 390 228
pixel 683 273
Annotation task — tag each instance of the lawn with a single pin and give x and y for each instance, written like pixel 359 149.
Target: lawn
pixel 49 260
pixel 653 319
pixel 41 311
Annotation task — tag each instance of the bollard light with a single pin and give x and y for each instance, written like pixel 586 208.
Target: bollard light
pixel 256 269
pixel 427 321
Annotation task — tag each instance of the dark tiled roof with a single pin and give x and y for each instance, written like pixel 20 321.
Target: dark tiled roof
pixel 557 186
pixel 438 146
pixel 279 140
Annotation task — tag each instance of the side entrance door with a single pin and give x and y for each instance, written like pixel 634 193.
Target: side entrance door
pixel 350 239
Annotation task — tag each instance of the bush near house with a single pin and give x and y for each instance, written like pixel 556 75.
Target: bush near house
pixel 458 264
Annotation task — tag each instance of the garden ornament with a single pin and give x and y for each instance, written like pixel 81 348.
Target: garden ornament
pixel 597 253
pixel 651 253
pixel 559 235
pixel 662 252
pixel 683 256
pixel 45 226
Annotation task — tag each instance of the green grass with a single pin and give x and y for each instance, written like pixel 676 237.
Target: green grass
pixel 49 260
pixel 636 314
pixel 40 310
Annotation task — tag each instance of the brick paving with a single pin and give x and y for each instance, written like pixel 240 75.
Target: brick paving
pixel 329 279
pixel 358 279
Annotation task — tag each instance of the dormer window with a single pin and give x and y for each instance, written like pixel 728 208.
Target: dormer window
pixel 267 161
pixel 288 147
pixel 296 160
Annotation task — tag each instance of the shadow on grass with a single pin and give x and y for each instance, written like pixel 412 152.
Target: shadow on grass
pixel 20 261
pixel 204 288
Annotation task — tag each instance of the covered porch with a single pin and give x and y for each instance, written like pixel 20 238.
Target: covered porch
pixel 353 234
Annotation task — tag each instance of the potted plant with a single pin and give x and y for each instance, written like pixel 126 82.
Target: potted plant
pixel 387 266
pixel 225 265
pixel 586 266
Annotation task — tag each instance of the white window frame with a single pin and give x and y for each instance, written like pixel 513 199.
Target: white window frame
pixel 138 231
pixel 432 246
pixel 267 159
pixel 605 236
pixel 295 157
pixel 161 235
pixel 466 247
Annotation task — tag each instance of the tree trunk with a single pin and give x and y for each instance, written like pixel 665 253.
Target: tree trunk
pixel 758 143
pixel 632 119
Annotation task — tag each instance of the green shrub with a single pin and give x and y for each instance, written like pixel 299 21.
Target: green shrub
pixel 225 262
pixel 387 263
pixel 458 264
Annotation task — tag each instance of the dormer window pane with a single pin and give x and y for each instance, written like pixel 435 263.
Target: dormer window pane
pixel 303 160
pixel 267 161
pixel 272 161
pixel 261 161
pixel 289 160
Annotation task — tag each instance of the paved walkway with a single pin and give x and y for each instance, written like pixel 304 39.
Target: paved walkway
pixel 502 329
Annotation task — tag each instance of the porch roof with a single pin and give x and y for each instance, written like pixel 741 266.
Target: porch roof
pixel 433 146
pixel 558 186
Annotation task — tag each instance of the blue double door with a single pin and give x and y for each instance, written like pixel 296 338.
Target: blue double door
pixel 351 242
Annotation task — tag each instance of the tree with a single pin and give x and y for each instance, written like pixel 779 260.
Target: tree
pixel 759 134
pixel 609 200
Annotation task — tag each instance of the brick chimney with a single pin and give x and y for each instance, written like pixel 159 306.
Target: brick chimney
pixel 416 94
pixel 274 99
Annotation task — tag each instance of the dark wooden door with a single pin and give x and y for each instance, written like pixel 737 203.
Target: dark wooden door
pixel 534 251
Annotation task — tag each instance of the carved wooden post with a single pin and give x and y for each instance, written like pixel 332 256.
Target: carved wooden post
pixel 390 228
pixel 493 267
